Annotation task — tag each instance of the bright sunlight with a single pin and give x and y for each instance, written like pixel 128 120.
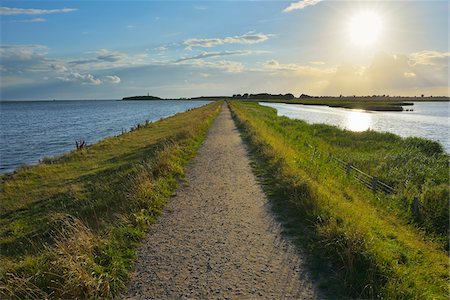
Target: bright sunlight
pixel 365 28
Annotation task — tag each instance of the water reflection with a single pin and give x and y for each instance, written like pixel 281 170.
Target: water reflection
pixel 357 120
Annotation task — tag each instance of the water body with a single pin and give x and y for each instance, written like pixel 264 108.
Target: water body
pixel 30 131
pixel 428 120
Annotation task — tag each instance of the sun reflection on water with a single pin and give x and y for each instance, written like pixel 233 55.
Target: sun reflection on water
pixel 357 120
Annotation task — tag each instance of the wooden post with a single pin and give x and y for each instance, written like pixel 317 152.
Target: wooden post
pixel 374 184
pixel 349 167
pixel 415 208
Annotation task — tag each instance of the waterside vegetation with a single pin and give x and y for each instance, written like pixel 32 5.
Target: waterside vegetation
pixel 361 245
pixel 70 225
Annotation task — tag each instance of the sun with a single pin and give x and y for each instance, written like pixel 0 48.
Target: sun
pixel 365 28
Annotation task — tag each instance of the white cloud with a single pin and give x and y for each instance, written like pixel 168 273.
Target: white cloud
pixel 226 65
pixel 82 78
pixel 248 38
pixel 301 5
pixel 216 54
pixel 59 67
pixel 22 52
pixel 68 74
pixel 105 59
pixel 409 74
pixel 32 11
pixel 300 70
pixel 35 20
pixel 90 79
pixel 428 57
pixel 112 79
pixel 110 56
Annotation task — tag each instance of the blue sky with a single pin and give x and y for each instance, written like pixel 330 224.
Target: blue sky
pixel 111 49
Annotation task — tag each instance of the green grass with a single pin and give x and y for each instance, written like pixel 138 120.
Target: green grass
pixel 358 243
pixel 69 226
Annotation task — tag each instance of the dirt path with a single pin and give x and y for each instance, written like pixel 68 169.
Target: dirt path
pixel 217 238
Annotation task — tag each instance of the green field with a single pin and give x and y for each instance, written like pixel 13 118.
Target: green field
pixel 361 245
pixel 69 226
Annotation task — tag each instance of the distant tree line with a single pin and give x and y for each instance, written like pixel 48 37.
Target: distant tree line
pixel 264 96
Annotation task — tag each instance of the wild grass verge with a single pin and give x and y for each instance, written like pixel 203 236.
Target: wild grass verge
pixel 358 249
pixel 70 225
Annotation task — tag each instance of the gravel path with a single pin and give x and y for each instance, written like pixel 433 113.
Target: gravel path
pixel 216 237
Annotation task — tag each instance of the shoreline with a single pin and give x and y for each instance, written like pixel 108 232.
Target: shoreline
pixel 69 227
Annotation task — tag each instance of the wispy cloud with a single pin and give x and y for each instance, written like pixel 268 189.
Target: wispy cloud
pixel 227 65
pixel 32 11
pixel 216 54
pixel 301 5
pixel 102 56
pixel 429 57
pixel 248 38
pixel 112 78
pixel 302 70
pixel 35 20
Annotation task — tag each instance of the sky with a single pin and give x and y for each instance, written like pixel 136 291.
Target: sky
pixel 112 49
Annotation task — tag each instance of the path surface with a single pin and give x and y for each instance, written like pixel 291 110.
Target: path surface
pixel 216 237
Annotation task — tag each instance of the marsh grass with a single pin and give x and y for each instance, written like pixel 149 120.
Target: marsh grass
pixel 359 244
pixel 69 226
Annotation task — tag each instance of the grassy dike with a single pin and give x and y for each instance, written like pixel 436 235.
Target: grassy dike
pixel 357 247
pixel 69 226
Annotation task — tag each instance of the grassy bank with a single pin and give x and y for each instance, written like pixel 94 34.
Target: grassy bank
pixel 70 225
pixel 372 105
pixel 365 103
pixel 359 242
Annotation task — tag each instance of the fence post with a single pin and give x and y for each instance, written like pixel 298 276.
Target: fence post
pixel 415 208
pixel 374 184
pixel 349 167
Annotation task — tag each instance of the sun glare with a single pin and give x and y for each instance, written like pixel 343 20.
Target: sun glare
pixel 365 28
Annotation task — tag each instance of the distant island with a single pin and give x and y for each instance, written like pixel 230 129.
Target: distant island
pixel 148 97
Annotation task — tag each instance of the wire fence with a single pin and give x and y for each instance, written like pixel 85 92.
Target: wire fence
pixel 367 180
pixel 372 183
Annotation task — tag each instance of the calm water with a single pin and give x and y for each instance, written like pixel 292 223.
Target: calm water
pixel 428 120
pixel 30 131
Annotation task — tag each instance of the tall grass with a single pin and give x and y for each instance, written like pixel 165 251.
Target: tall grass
pixel 69 226
pixel 360 249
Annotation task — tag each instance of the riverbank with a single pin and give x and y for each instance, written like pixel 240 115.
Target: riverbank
pixel 363 103
pixel 34 130
pixel 69 226
pixel 362 245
